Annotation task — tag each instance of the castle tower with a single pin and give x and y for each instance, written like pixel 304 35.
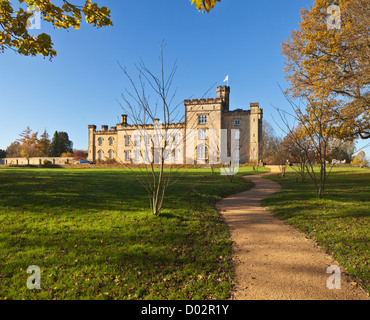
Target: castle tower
pixel 255 134
pixel 91 148
pixel 224 94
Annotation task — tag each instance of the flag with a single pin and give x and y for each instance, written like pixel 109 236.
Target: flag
pixel 227 78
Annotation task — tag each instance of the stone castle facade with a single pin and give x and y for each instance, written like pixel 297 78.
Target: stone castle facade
pixel 198 139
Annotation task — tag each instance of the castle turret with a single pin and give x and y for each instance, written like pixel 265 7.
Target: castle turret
pixel 224 94
pixel 255 132
pixel 91 148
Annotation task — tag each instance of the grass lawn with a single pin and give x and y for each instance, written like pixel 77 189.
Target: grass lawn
pixel 93 237
pixel 340 222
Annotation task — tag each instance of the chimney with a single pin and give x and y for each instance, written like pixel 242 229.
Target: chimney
pixel 124 119
pixel 104 128
pixel 224 94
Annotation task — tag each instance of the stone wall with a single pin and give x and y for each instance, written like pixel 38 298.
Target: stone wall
pixel 37 161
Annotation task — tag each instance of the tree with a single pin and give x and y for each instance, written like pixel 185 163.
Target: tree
pixel 313 135
pixel 13 150
pixel 2 153
pixel 342 150
pixel 154 149
pixel 43 145
pixel 360 160
pixel 54 146
pixel 28 143
pixel 60 144
pixel 299 150
pixel 79 154
pixel 14 22
pixel 14 33
pixel 270 144
pixel 331 65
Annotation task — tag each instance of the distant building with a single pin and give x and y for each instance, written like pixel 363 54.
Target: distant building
pixel 196 140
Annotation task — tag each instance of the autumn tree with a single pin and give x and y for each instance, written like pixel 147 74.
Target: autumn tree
pixel 13 150
pixel 330 63
pixel 15 23
pixel 28 143
pixel 360 160
pixel 79 154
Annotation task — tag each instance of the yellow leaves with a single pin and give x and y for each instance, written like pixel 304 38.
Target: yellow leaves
pixel 205 5
pixel 331 66
pixel 15 29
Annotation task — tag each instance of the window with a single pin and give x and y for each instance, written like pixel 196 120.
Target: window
pixel 157 140
pixel 166 154
pixel 137 140
pixel 110 154
pixel 147 140
pixel 237 122
pixel 176 155
pixel 157 157
pixel 167 138
pixel 237 134
pixel 110 141
pixel 127 141
pixel 202 119
pixel 202 152
pixel 147 156
pixel 100 141
pixel 137 155
pixel 127 155
pixel 100 154
pixel 176 139
pixel 202 134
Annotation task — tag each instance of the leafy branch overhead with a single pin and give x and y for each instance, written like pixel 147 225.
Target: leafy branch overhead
pixel 205 5
pixel 14 23
pixel 14 31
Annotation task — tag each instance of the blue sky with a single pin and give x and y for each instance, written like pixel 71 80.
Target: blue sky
pixel 81 86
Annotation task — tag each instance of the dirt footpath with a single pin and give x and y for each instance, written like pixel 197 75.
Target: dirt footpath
pixel 272 259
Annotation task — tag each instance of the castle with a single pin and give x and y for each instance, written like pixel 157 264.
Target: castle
pixel 197 139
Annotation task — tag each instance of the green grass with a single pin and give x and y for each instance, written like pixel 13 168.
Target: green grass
pixel 340 222
pixel 92 235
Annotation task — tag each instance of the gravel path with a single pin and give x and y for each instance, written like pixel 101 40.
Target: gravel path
pixel 272 259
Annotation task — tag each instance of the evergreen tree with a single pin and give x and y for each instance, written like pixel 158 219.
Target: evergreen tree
pixel 54 147
pixel 44 145
pixel 60 144
pixel 65 145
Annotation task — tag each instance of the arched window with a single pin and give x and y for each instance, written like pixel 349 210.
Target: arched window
pixel 110 140
pixel 100 154
pixel 110 154
pixel 202 152
pixel 100 141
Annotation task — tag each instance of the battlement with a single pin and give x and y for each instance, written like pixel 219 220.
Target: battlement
pixel 202 101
